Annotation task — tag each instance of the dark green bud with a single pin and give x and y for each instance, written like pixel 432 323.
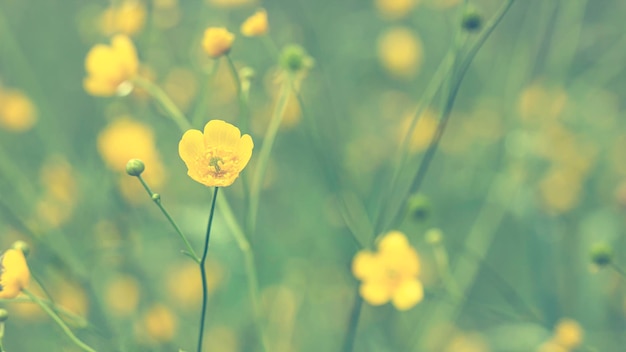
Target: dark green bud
pixel 135 167
pixel 294 58
pixel 418 207
pixel 472 21
pixel 601 254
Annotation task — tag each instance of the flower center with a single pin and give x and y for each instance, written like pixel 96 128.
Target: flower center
pixel 215 162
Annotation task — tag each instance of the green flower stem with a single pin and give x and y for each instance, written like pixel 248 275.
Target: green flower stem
pixel 251 274
pixel 463 67
pixel 59 321
pixel 166 102
pixel 1 336
pixel 244 114
pixel 157 200
pixel 205 289
pixel 264 154
pixel 353 323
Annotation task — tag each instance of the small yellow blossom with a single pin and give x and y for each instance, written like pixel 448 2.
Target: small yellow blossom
pixel 159 323
pixel 122 295
pixel 217 41
pixel 400 52
pixel 395 8
pixel 216 157
pixel 390 274
pixel 17 111
pixel 568 333
pixel 255 25
pixel 109 68
pixel 14 273
pixel 127 18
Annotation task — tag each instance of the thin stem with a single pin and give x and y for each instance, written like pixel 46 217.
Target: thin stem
pixel 244 119
pixel 353 323
pixel 59 321
pixel 1 336
pixel 454 90
pixel 251 274
pixel 166 102
pixel 205 289
pixel 157 200
pixel 266 150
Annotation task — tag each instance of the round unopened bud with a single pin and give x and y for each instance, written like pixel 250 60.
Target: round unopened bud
pixel 434 236
pixel 418 207
pixel 601 254
pixel 4 315
pixel 22 246
pixel 294 58
pixel 472 21
pixel 135 167
pixel 156 197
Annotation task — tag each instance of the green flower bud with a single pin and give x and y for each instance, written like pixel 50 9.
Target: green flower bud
pixel 418 207
pixel 294 58
pixel 601 254
pixel 434 236
pixel 4 315
pixel 156 197
pixel 22 246
pixel 472 21
pixel 135 167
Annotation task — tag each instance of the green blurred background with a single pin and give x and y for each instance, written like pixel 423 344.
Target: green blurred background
pixel 530 174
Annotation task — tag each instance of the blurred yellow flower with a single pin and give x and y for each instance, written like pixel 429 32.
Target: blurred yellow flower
pixel 109 68
pixel 255 25
pixel 217 41
pixel 14 273
pixel 400 52
pixel 184 285
pixel 17 111
pixel 121 295
pixel 159 323
pixel 390 273
pixel 568 333
pixel 127 18
pixel 229 3
pixel 424 130
pixel 395 8
pixel 539 103
pixel 216 157
pixel 560 189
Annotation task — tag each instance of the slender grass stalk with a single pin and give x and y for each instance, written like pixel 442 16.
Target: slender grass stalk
pixel 156 198
pixel 59 321
pixel 165 101
pixel 445 116
pixel 205 289
pixel 244 114
pixel 353 323
pixel 265 153
pixel 251 274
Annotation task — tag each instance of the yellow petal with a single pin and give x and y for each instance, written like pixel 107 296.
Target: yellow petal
pixel 375 292
pixel 222 134
pixel 190 149
pixel 98 87
pixel 363 264
pixel 126 54
pixel 100 61
pixel 408 294
pixel 245 150
pixel 397 254
pixel 393 240
pixel 15 274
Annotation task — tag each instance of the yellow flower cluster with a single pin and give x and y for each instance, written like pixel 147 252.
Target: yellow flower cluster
pixel 110 68
pixel 14 273
pixel 216 157
pixel 390 274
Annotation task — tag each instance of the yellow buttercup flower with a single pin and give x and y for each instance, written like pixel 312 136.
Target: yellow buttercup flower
pixel 216 157
pixel 109 68
pixel 217 41
pixel 14 273
pixel 17 111
pixel 390 274
pixel 255 25
pixel 400 52
pixel 128 18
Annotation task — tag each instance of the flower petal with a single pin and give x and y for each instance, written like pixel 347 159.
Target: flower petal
pixel 363 264
pixel 125 53
pixel 407 294
pixel 245 151
pixel 190 149
pixel 221 133
pixel 375 293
